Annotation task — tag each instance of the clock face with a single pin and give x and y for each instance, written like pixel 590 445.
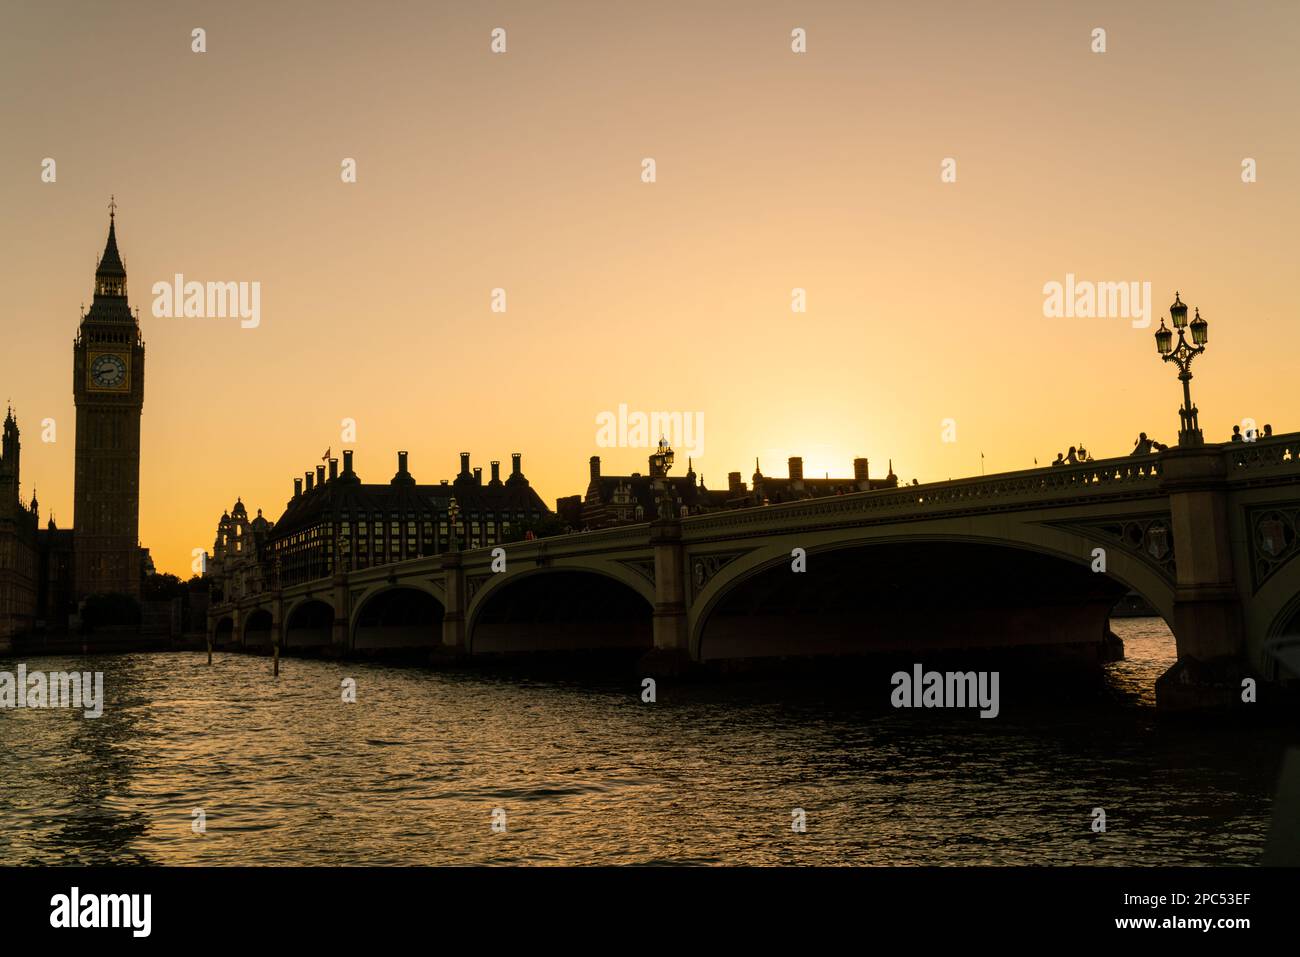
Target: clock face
pixel 108 371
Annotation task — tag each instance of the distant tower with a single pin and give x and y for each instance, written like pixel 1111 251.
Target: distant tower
pixel 9 452
pixel 108 388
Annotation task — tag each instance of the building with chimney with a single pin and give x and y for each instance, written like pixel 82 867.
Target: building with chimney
pixel 772 491
pixel 629 499
pixel 334 520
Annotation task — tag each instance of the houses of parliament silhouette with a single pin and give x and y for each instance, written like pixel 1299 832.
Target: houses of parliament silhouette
pixel 45 572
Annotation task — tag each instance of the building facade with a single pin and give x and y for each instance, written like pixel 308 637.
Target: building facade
pixel 767 490
pixel 336 521
pixel 19 555
pixel 238 565
pixel 629 499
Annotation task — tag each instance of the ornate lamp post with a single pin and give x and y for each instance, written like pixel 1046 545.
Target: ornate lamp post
pixel 663 457
pixel 660 462
pixel 1182 355
pixel 453 515
pixel 344 560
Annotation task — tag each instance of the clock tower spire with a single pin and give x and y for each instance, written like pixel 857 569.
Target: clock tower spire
pixel 108 388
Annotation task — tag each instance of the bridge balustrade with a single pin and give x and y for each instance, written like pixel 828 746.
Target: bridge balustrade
pixel 1279 453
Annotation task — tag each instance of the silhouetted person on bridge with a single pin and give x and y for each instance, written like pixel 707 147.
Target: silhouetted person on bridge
pixel 1268 431
pixel 1236 434
pixel 1073 457
pixel 1059 460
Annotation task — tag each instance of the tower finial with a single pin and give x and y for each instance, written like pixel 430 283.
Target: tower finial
pixel 112 207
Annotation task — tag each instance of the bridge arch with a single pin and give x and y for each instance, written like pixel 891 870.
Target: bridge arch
pixel 432 588
pixel 223 632
pixel 397 617
pixel 258 630
pixel 1274 613
pixel 1281 593
pixel 561 607
pixel 308 624
pixel 1021 547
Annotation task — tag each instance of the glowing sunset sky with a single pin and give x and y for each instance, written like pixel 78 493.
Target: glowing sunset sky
pixel 523 171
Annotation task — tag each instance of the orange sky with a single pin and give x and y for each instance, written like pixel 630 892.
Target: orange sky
pixel 523 171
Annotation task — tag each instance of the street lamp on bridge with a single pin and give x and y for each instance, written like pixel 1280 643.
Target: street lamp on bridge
pixel 453 516
pixel 660 462
pixel 1182 355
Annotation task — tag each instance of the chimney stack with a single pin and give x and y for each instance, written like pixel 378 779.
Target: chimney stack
pixel 334 469
pixel 297 488
pixel 347 461
pixel 860 470
pixel 734 485
pixel 464 464
pixel 496 472
pixel 320 475
pixel 403 476
pixel 514 464
pixel 796 468
pixel 310 479
pixel 595 467
pixel 478 475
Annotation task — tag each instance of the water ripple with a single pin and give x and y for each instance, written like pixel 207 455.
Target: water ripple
pixel 286 773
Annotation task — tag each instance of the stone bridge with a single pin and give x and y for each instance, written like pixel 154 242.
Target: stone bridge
pixel 1023 560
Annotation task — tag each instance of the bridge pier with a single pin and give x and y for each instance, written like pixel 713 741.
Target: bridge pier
pixel 340 637
pixel 1208 622
pixel 671 654
pixel 452 648
pixel 277 629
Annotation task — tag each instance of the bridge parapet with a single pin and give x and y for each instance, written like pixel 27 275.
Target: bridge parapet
pixel 1120 477
pixel 1263 458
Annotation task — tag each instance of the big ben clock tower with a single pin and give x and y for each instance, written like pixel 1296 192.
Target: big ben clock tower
pixel 108 387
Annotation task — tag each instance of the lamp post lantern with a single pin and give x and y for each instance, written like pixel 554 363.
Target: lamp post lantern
pixel 453 515
pixel 660 462
pixel 344 560
pixel 1182 356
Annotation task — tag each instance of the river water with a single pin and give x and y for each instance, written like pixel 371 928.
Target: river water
pixel 286 772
